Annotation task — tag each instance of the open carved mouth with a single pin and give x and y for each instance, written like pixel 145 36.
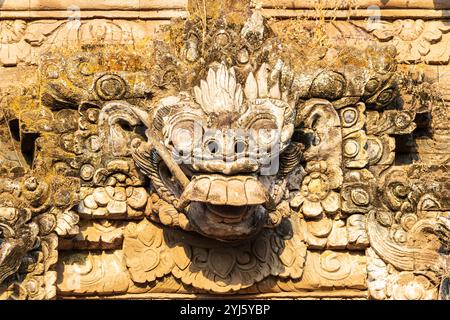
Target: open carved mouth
pixel 221 190
pixel 225 207
pixel 229 214
pixel 227 223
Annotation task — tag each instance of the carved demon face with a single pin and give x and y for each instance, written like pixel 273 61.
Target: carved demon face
pixel 226 140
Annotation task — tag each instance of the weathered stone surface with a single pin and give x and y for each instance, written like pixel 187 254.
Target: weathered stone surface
pixel 224 154
pixel 92 273
pixel 102 234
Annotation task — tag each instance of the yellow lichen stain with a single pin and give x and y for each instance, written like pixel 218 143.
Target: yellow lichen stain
pixel 234 10
pixel 310 36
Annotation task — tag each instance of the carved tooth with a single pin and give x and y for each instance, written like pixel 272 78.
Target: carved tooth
pixel 218 192
pixel 222 78
pixel 232 81
pixel 205 95
pixel 198 96
pixel 276 71
pixel 201 188
pixel 238 97
pixel 251 88
pixel 262 81
pixel 255 192
pixel 236 193
pixel 211 79
pixel 197 190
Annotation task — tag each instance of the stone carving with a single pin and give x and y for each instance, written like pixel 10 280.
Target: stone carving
pixel 33 214
pixel 24 42
pixel 412 38
pixel 152 253
pixel 385 282
pixel 220 158
pixel 91 273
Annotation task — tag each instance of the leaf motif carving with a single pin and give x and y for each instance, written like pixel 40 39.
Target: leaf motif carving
pixel 222 262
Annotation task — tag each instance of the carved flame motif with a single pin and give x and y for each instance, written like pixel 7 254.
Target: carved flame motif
pixel 220 92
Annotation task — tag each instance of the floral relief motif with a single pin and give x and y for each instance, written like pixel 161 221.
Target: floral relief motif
pixel 412 38
pixel 385 282
pixel 408 286
pixel 114 202
pixel 317 193
pixel 97 273
pixel 12 45
pixel 357 192
pixel 22 42
pixel 152 253
pixel 32 211
pixel 331 269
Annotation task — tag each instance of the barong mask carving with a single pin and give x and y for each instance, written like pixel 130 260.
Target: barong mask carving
pixel 226 159
pixel 225 139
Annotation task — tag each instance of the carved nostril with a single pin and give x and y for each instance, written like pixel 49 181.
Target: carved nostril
pixel 239 147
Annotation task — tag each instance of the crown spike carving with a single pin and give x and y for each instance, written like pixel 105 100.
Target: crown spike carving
pixel 220 92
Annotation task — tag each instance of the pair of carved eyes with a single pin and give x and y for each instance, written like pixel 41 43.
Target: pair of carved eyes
pixel 185 130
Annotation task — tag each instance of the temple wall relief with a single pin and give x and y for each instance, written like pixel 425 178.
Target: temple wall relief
pixel 186 149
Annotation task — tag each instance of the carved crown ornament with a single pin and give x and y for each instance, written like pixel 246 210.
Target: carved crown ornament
pixel 220 159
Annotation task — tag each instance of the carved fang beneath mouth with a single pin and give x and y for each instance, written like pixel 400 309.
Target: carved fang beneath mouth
pixel 217 190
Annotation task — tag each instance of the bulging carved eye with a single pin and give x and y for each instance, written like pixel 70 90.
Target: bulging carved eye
pixel 183 137
pixel 263 121
pixel 181 131
pixel 266 137
pixel 264 129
